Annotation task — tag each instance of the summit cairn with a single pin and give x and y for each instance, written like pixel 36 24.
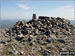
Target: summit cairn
pixel 42 36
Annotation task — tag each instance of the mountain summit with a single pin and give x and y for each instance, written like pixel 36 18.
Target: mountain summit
pixel 42 37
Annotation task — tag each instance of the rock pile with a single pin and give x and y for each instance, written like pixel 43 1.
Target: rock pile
pixel 44 25
pixel 42 36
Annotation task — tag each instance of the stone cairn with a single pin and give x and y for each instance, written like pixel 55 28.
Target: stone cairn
pixel 44 36
pixel 44 25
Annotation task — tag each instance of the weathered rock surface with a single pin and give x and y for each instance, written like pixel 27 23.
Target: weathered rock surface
pixel 42 37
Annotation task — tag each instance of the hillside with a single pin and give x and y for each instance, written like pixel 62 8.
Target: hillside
pixel 44 36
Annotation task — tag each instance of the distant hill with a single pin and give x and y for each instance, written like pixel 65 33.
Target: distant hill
pixel 72 21
pixel 6 23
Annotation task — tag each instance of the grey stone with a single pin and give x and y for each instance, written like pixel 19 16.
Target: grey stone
pixel 61 41
pixel 46 52
pixel 42 42
pixel 30 39
pixel 47 33
pixel 10 51
pixel 2 41
pixel 50 40
pixel 19 37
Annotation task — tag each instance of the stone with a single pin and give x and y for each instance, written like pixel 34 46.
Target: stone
pixel 46 52
pixel 43 17
pixel 23 22
pixel 10 51
pixel 36 31
pixel 35 25
pixel 47 33
pixel 26 25
pixel 25 32
pixel 42 30
pixel 50 40
pixel 30 39
pixel 16 52
pixel 38 48
pixel 61 41
pixel 53 36
pixel 1 41
pixel 42 42
pixel 19 37
pixel 64 49
pixel 21 52
pixel 31 44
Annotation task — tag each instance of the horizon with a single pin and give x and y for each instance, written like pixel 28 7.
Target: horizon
pixel 23 10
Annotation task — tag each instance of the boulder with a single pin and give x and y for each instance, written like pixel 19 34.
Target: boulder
pixel 19 37
pixel 47 33
pixel 46 52
pixel 61 41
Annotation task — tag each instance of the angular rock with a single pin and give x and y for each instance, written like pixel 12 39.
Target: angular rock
pixel 46 52
pixel 47 33
pixel 19 37
pixel 61 41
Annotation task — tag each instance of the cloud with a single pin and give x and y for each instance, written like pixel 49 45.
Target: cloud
pixel 65 8
pixel 24 7
pixel 65 12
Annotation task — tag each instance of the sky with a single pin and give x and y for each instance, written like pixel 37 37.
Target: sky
pixel 25 9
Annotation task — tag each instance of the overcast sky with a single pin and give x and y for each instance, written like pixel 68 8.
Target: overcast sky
pixel 25 9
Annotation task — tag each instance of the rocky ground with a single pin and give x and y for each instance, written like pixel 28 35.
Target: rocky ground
pixel 44 36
